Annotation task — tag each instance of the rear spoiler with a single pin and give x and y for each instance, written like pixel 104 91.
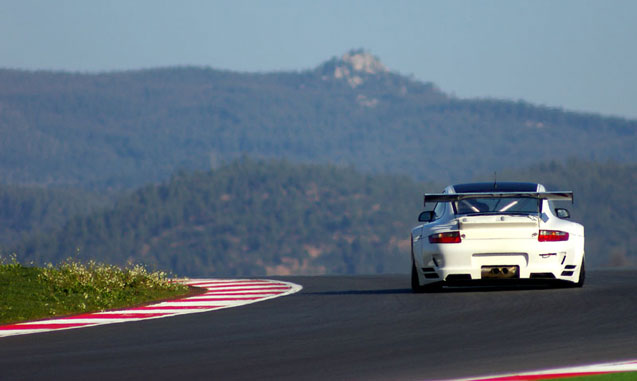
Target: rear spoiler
pixel 451 197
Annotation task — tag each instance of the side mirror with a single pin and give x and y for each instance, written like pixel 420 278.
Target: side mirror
pixel 562 213
pixel 426 216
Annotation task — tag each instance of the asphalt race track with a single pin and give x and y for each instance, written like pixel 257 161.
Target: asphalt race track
pixel 351 328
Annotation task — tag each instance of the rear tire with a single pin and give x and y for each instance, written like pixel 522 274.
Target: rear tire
pixel 415 282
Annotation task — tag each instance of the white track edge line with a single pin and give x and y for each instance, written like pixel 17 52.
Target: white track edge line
pixel 610 367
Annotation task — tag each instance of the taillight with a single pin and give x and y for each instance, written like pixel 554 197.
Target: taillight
pixel 449 237
pixel 552 236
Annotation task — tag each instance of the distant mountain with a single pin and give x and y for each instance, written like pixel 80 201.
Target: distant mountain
pixel 252 218
pixel 125 129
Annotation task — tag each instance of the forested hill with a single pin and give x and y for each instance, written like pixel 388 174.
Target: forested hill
pixel 256 218
pixel 249 218
pixel 26 210
pixel 126 129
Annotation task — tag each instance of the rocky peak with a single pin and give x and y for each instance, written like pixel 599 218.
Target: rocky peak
pixel 353 66
pixel 362 61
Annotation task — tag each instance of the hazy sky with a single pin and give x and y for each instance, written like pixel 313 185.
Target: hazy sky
pixel 579 55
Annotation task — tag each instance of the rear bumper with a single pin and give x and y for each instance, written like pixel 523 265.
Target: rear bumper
pixel 468 259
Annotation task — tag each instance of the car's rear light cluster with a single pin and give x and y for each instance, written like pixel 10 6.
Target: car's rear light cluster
pixel 552 236
pixel 449 237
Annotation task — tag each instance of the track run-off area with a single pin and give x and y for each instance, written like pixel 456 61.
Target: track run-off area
pixel 352 328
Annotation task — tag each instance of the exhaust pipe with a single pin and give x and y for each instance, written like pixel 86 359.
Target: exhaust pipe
pixel 500 272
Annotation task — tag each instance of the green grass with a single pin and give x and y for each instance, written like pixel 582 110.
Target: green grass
pixel 30 293
pixel 623 376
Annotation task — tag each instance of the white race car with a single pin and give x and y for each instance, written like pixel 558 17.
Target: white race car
pixel 496 231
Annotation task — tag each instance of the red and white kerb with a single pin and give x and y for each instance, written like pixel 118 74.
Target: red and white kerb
pixel 220 293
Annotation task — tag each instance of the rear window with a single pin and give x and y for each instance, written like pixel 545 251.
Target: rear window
pixel 521 205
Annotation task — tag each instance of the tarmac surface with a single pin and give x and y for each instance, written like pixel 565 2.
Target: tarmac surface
pixel 352 328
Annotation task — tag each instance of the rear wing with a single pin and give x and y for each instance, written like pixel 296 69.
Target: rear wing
pixel 451 197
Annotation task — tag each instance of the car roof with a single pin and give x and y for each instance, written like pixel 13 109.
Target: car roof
pixel 495 187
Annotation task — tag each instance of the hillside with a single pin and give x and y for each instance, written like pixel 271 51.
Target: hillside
pixel 127 129
pixel 28 210
pixel 256 218
pixel 249 218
